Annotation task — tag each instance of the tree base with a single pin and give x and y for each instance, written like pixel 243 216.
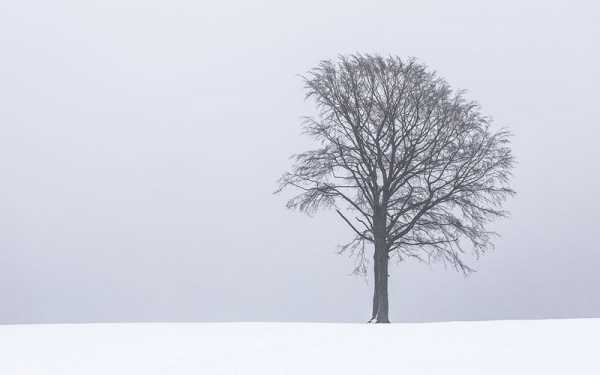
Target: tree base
pixel 378 321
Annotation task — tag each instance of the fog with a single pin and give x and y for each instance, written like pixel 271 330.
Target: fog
pixel 141 141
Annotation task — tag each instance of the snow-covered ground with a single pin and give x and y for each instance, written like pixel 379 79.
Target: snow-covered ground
pixel 484 348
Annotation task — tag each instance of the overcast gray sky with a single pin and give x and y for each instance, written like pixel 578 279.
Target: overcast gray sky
pixel 140 142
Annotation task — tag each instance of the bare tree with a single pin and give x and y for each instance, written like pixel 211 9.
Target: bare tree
pixel 410 165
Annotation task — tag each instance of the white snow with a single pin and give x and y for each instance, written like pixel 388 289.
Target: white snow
pixel 483 348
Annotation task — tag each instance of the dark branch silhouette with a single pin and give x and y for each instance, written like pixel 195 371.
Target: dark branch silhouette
pixel 409 165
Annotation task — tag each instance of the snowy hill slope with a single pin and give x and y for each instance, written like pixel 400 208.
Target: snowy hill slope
pixel 483 348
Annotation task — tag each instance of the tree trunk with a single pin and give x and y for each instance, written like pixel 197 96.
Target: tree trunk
pixel 380 293
pixel 380 268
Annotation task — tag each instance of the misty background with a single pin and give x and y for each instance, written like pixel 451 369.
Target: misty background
pixel 141 141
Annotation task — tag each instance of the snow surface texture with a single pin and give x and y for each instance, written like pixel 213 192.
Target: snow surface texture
pixel 483 348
